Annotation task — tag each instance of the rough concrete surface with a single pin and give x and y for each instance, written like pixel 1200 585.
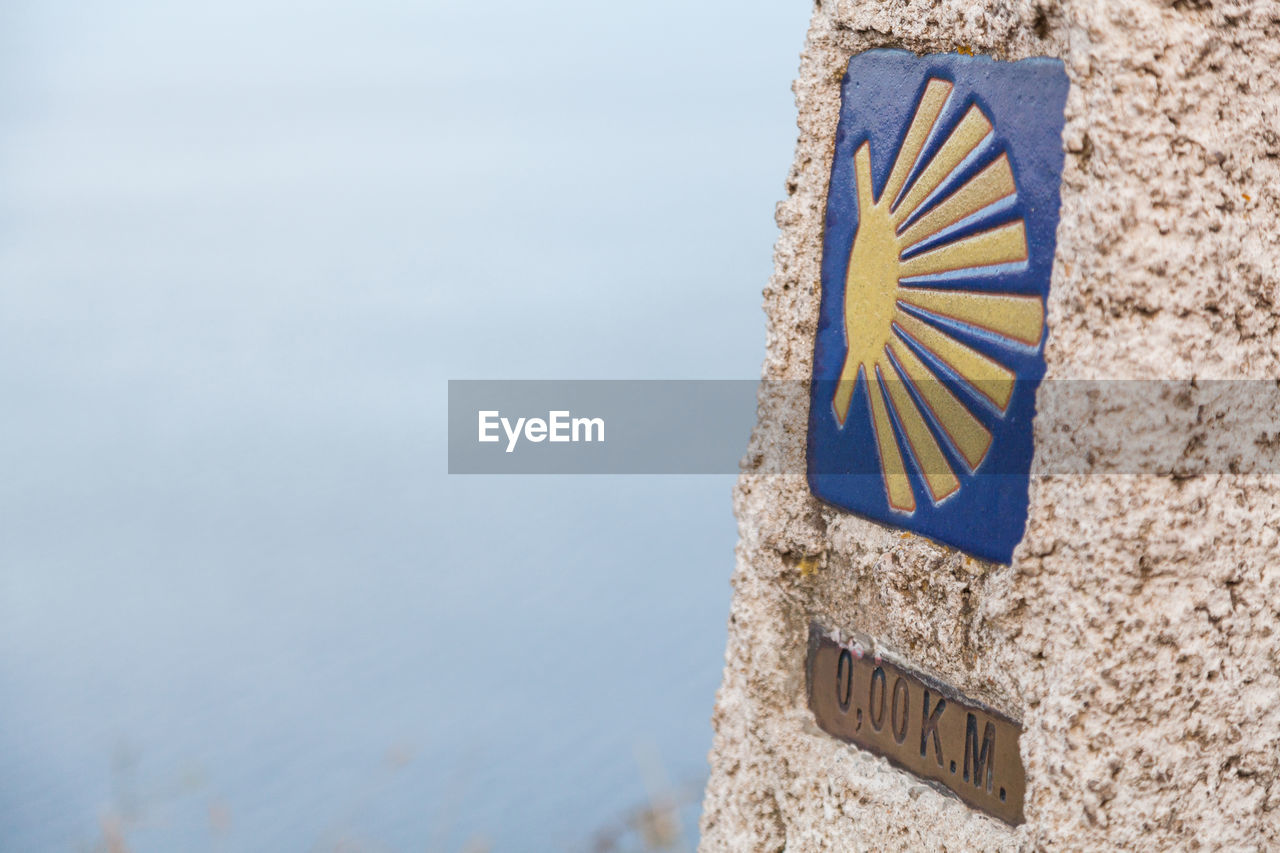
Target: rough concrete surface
pixel 1136 632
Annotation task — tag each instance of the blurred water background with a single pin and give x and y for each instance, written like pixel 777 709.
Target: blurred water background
pixel 243 247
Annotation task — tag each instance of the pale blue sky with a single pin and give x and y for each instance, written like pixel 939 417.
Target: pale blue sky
pixel 243 246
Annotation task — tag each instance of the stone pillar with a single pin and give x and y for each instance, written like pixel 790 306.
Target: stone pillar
pixel 1136 633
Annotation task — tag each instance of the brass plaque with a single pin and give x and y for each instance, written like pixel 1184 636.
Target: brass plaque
pixel 918 723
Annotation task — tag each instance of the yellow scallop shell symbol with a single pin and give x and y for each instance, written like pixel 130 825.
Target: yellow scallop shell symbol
pixel 903 237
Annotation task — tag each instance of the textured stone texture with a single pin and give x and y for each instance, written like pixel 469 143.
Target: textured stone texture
pixel 1136 632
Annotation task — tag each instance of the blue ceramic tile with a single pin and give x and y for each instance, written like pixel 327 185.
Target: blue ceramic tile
pixel 937 253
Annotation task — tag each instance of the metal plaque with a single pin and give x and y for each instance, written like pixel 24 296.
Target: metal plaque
pixel 918 723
